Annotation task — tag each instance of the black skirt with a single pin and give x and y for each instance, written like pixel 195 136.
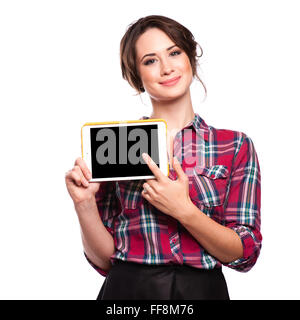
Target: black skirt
pixel 135 281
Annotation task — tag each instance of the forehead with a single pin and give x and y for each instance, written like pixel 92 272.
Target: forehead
pixel 151 41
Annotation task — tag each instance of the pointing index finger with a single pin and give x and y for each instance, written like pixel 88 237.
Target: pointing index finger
pixel 153 167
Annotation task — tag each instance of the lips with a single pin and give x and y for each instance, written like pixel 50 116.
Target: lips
pixel 170 82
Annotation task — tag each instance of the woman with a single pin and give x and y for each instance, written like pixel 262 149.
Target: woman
pixel 168 237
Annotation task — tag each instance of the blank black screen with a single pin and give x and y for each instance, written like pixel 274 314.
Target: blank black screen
pixel 112 150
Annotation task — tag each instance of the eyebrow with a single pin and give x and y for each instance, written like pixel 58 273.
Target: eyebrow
pixel 153 54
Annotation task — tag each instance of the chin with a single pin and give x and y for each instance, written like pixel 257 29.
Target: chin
pixel 167 93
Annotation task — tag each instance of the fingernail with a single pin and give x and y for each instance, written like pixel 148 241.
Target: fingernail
pixel 145 157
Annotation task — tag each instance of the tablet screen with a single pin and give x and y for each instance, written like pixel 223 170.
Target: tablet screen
pixel 116 151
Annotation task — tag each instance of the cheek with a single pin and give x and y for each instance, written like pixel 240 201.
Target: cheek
pixel 149 74
pixel 188 72
pixel 186 66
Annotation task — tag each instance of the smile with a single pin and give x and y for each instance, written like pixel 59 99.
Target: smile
pixel 170 82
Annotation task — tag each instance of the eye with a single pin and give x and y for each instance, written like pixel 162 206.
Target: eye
pixel 175 53
pixel 150 61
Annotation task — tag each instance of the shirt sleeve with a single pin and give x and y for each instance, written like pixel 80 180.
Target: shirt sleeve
pixel 242 212
pixel 109 207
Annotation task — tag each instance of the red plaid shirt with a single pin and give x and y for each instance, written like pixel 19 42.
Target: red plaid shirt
pixel 224 182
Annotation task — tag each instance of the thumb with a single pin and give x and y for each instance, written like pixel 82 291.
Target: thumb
pixel 178 169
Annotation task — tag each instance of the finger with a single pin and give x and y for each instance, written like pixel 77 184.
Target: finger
pixel 146 195
pixel 153 167
pixel 180 173
pixel 74 176
pixel 83 180
pixel 148 190
pixel 82 164
pixel 86 171
pixel 171 150
pixel 67 174
pixel 153 183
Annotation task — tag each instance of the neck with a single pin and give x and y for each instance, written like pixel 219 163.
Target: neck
pixel 177 113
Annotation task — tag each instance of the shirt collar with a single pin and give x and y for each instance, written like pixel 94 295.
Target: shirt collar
pixel 198 123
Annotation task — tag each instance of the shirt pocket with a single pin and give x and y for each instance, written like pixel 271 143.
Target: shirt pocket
pixel 209 185
pixel 131 193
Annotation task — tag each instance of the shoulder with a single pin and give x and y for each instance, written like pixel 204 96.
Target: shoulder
pixel 219 135
pixel 231 142
pixel 228 136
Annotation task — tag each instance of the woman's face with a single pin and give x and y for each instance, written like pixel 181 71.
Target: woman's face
pixel 158 61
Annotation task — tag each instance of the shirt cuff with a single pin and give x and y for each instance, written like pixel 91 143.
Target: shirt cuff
pixel 250 250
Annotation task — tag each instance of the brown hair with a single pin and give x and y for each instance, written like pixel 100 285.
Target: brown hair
pixel 181 36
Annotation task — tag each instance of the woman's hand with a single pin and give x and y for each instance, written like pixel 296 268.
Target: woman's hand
pixel 170 197
pixel 77 182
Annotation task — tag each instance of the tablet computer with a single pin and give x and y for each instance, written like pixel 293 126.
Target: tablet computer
pixel 113 150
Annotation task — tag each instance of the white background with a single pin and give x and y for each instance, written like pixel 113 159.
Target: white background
pixel 59 68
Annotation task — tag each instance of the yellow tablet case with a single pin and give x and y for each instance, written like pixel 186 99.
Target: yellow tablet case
pixel 116 122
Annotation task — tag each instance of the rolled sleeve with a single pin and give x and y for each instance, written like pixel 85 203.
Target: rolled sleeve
pixel 109 207
pixel 242 212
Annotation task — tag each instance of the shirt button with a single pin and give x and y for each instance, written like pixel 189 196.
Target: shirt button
pixel 174 240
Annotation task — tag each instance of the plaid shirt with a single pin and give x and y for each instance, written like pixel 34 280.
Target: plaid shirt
pixel 224 183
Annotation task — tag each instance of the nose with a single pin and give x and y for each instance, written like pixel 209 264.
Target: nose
pixel 165 68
